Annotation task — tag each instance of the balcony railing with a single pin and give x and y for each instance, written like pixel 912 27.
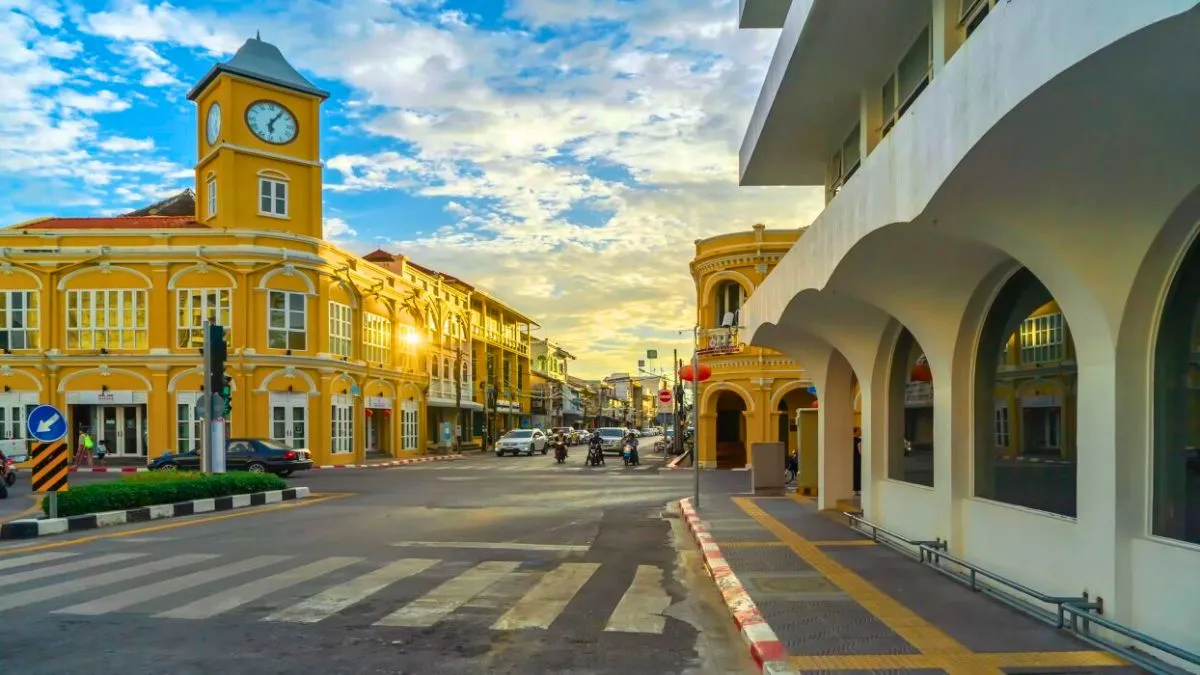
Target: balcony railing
pixel 918 394
pixel 444 390
pixel 719 341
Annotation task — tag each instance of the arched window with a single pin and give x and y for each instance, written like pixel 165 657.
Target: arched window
pixel 729 296
pixel 1176 495
pixel 910 414
pixel 1026 396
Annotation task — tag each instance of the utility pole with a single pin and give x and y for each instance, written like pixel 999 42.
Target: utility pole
pixel 458 354
pixel 696 418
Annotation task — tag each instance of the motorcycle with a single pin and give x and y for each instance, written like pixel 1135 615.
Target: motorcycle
pixel 595 456
pixel 631 454
pixel 9 471
pixel 560 452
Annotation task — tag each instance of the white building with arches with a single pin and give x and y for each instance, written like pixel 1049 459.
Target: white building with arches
pixel 1013 201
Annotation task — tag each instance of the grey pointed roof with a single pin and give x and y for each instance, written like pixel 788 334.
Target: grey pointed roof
pixel 261 61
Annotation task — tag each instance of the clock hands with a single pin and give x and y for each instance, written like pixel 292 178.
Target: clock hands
pixel 271 123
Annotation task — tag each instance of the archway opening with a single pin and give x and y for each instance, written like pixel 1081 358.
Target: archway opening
pixel 1176 466
pixel 797 430
pixel 910 413
pixel 1026 393
pixel 730 430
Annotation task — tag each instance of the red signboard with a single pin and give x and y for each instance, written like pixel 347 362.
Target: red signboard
pixel 664 396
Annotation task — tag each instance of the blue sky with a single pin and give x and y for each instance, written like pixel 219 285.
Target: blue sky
pixel 563 154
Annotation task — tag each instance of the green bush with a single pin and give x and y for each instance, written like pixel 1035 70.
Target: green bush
pixel 153 488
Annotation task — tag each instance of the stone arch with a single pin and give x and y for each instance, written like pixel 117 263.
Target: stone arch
pixel 785 389
pixel 102 268
pixel 8 371
pixel 712 280
pixel 173 383
pixel 346 379
pixel 287 270
pixel 274 173
pixel 715 388
pixel 313 390
pixel 9 269
pixel 102 370
pixel 410 391
pixel 351 292
pixel 384 386
pixel 202 268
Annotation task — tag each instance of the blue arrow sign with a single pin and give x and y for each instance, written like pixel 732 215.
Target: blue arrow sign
pixel 46 424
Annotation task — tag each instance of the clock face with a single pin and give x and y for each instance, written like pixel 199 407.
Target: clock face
pixel 213 123
pixel 271 122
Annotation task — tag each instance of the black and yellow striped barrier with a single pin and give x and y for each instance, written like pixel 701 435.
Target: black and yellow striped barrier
pixel 51 462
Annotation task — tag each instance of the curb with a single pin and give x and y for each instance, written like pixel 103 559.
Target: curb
pixel 396 462
pixel 674 464
pixel 32 528
pixel 375 465
pixel 765 648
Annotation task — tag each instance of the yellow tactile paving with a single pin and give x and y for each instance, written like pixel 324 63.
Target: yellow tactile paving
pixel 750 544
pixel 921 634
pixel 938 650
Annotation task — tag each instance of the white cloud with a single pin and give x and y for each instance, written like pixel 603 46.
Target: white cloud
pixel 337 229
pixel 101 101
pixel 510 126
pixel 123 144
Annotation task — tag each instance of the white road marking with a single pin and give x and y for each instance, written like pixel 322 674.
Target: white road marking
pixel 44 593
pixel 66 568
pixel 233 598
pixel 333 600
pixel 135 596
pixel 31 559
pixel 501 546
pixel 439 603
pixel 641 608
pixel 544 602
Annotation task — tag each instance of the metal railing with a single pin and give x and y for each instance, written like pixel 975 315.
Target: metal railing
pixel 1075 614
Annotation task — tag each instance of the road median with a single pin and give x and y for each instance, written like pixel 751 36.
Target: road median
pixel 91 507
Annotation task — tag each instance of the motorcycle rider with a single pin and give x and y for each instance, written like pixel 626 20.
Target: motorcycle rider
pixel 560 447
pixel 631 449
pixel 595 450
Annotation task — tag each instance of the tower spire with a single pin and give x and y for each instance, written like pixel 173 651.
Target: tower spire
pixel 258 35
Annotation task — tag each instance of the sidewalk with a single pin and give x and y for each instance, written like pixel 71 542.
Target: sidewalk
pixel 812 595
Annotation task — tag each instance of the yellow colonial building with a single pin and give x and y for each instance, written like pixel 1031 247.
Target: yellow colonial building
pixel 754 394
pixel 338 353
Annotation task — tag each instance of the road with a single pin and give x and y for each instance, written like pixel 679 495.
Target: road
pixel 487 565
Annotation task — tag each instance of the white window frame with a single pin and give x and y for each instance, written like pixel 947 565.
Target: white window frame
pixel 287 330
pixel 103 332
pixel 30 318
pixel 900 101
pixel 1002 430
pixel 377 338
pixel 341 329
pixel 211 188
pixel 289 403
pixel 410 431
pixel 1042 339
pixel 189 328
pixel 341 424
pixel 273 185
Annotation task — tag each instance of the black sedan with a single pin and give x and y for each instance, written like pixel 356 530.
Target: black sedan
pixel 255 455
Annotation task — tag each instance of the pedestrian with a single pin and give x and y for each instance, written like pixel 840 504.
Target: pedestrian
pixel 83 448
pixel 101 451
pixel 857 461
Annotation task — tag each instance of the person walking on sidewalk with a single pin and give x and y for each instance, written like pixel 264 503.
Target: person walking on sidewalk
pixel 83 448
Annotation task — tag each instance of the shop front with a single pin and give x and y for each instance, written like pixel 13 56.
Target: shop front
pixel 378 412
pixel 117 420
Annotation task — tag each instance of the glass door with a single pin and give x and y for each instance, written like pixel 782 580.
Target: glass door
pixel 289 423
pixel 131 431
pixel 108 428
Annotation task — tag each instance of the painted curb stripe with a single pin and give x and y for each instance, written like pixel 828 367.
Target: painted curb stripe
pixel 33 528
pixel 765 647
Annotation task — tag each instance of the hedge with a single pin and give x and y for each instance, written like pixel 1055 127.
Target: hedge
pixel 153 488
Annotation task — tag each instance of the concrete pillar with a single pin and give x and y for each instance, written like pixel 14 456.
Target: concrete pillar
pixel 836 422
pixel 160 414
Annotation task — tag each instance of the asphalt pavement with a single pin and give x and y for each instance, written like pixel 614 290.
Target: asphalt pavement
pixel 486 565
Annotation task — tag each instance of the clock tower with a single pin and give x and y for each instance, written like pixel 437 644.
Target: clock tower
pixel 258 164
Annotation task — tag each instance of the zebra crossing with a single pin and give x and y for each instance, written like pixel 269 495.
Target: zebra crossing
pixel 532 464
pixel 279 589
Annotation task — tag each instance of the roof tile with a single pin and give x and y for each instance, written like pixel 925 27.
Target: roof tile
pixel 117 223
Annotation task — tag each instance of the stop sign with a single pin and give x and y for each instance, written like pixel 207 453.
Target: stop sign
pixel 664 396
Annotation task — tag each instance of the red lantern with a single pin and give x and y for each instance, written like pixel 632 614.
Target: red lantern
pixel 387 413
pixel 815 404
pixel 685 373
pixel 370 413
pixel 921 371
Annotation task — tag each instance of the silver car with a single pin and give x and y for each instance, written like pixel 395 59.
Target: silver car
pixel 521 441
pixel 610 438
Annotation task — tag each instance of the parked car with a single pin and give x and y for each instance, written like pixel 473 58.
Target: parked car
pixel 256 455
pixel 610 438
pixel 522 441
pixel 585 436
pixel 572 435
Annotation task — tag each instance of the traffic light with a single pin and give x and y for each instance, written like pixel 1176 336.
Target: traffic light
pixel 216 351
pixel 227 396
